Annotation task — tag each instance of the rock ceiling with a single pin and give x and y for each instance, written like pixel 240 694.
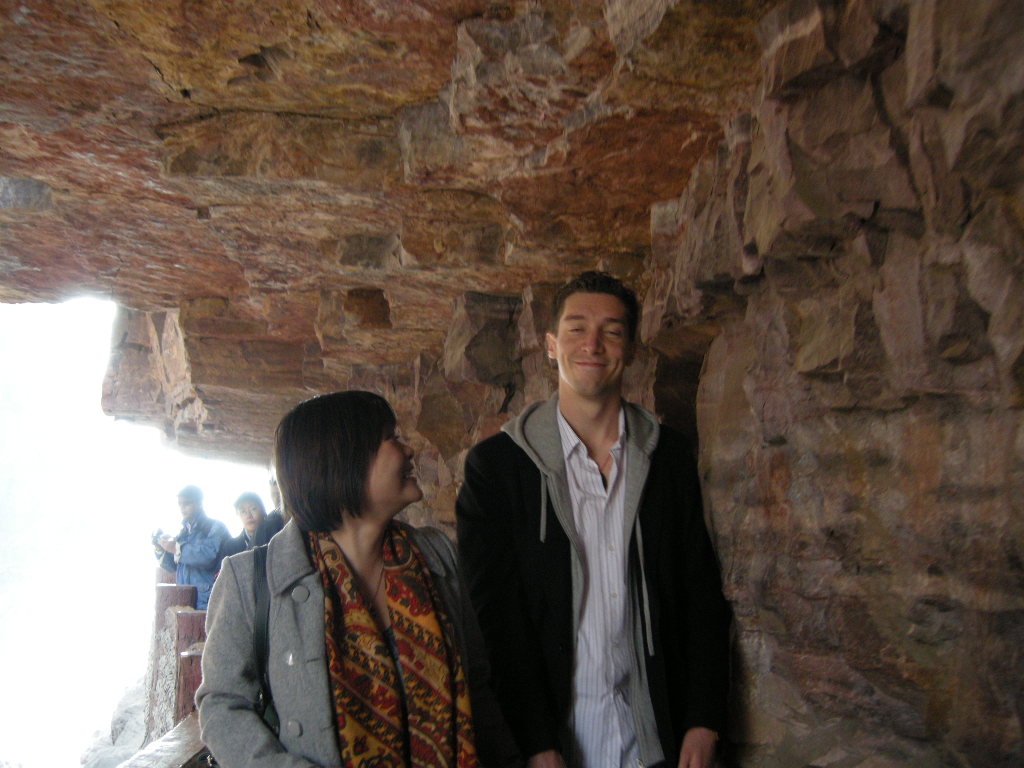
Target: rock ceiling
pixel 285 197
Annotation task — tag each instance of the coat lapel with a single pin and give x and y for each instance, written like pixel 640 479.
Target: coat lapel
pixel 297 618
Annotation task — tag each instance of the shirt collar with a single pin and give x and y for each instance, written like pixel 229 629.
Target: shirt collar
pixel 571 441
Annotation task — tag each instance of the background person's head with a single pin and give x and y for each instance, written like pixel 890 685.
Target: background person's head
pixel 597 282
pixel 275 491
pixel 190 501
pixel 322 453
pixel 251 511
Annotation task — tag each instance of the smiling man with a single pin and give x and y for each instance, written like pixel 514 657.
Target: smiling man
pixel 582 536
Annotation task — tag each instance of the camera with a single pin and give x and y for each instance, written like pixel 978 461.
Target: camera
pixel 157 535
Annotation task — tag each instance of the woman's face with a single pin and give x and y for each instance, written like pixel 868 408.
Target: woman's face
pixel 251 515
pixel 391 485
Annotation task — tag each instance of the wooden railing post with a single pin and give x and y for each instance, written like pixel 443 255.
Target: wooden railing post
pixel 162 695
pixel 190 634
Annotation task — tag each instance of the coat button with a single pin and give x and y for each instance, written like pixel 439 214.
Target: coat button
pixel 289 659
pixel 294 728
pixel 300 594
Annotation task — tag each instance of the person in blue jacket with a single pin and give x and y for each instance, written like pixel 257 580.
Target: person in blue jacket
pixel 194 554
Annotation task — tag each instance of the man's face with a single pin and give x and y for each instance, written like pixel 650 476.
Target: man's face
pixel 251 515
pixel 591 345
pixel 188 506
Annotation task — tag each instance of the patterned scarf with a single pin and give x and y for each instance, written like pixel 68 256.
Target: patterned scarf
pixel 434 728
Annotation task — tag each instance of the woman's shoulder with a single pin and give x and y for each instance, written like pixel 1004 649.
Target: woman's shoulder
pixel 239 562
pixel 437 548
pixel 425 532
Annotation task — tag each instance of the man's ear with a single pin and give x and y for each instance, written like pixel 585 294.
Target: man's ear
pixel 551 344
pixel 630 353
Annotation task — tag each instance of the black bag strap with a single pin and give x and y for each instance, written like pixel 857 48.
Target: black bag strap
pixel 261 625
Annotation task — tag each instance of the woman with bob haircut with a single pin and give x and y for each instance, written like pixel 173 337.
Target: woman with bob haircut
pixel 374 657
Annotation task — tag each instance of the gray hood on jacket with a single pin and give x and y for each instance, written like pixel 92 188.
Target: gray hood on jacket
pixel 535 430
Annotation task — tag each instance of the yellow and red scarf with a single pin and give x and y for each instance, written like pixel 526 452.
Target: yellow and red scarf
pixel 365 686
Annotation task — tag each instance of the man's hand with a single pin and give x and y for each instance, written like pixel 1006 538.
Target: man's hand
pixel 698 748
pixel 547 759
pixel 168 542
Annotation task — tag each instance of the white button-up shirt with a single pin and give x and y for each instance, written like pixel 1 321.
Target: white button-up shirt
pixel 602 720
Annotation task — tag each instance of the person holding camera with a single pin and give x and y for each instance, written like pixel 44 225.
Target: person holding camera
pixel 193 556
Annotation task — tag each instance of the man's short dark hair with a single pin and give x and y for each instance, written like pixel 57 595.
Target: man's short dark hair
pixel 597 282
pixel 253 498
pixel 191 493
pixel 323 450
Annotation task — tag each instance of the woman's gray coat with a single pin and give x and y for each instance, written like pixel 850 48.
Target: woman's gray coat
pixel 297 664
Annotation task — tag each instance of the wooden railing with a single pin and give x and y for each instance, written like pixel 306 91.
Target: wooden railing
pixel 181 747
pixel 172 730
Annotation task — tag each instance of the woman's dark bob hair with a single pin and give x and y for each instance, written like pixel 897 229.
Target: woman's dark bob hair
pixel 322 452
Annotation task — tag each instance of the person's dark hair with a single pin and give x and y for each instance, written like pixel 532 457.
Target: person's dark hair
pixel 597 282
pixel 191 493
pixel 322 451
pixel 254 498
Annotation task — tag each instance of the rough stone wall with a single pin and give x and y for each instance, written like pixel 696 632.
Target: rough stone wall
pixel 298 197
pixel 852 262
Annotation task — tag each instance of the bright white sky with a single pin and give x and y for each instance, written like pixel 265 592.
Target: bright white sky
pixel 80 495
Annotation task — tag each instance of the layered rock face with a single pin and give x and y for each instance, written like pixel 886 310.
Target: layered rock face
pixel 297 197
pixel 853 257
pixel 819 202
